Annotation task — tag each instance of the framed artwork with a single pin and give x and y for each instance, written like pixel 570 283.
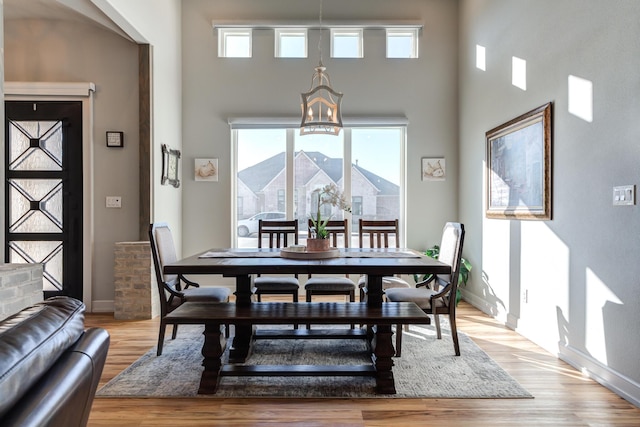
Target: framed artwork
pixel 170 161
pixel 433 169
pixel 518 167
pixel 206 169
pixel 115 139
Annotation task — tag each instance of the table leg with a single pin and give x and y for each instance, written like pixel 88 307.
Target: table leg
pixel 383 351
pixel 241 347
pixel 212 350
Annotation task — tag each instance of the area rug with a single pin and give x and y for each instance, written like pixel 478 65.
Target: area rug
pixel 428 368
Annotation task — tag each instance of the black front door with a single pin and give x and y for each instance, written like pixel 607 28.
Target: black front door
pixel 43 191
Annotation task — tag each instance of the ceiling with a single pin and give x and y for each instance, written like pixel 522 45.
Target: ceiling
pixel 65 10
pixel 39 9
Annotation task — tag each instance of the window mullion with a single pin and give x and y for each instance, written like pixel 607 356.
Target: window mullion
pixel 289 173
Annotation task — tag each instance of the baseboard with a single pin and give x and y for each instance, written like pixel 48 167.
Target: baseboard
pixel 103 306
pixel 614 381
pixel 605 376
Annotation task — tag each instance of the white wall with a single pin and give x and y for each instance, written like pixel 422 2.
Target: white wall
pixel 580 269
pixel 424 90
pixel 64 51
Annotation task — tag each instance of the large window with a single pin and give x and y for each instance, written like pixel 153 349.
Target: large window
pixel 277 171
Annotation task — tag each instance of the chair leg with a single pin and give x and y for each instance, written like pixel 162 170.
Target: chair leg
pixel 398 340
pixel 308 299
pixel 295 299
pixel 454 334
pixel 175 331
pixel 163 327
pixel 352 298
pixel 438 331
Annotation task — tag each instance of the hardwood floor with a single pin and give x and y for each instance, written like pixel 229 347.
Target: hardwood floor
pixel 563 397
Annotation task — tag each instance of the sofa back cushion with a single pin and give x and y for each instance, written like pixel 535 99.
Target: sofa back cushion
pixel 32 340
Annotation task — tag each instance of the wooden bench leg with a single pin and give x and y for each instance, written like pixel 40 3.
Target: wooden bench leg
pixel 212 350
pixel 382 357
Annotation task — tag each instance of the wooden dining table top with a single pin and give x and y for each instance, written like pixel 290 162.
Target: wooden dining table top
pixel 370 261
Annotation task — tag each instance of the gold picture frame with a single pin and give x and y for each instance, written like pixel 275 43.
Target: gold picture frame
pixel 170 163
pixel 518 167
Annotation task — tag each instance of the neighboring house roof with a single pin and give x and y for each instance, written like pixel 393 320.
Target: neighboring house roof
pixel 386 188
pixel 258 176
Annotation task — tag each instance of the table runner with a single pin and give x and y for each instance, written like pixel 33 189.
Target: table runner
pixel 344 253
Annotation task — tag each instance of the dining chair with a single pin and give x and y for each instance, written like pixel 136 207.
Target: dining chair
pixel 277 234
pixel 437 295
pixel 379 234
pixel 171 291
pixel 332 285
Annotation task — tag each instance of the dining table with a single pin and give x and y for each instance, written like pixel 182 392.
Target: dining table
pixel 244 264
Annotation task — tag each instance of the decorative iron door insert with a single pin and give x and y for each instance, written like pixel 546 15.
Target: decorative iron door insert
pixel 43 191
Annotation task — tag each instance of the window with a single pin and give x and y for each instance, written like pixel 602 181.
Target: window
pixel 356 205
pixel 373 182
pixel 346 43
pixel 402 43
pixel 290 43
pixel 234 42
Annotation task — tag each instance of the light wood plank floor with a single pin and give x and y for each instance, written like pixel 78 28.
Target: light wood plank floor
pixel 563 397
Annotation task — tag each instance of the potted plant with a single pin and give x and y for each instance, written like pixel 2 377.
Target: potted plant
pixel 463 276
pixel 327 195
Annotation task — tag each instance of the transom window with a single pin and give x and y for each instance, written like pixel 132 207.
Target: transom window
pixel 290 43
pixel 346 43
pixel 402 43
pixel 234 42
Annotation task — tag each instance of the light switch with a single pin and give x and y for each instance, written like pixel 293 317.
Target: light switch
pixel 114 201
pixel 624 195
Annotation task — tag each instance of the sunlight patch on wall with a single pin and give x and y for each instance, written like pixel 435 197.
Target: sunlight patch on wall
pixel 481 62
pixel 581 98
pixel 519 72
pixel 598 295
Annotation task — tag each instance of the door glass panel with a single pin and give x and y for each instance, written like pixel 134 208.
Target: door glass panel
pixel 35 145
pixel 261 178
pixel 48 253
pixel 36 205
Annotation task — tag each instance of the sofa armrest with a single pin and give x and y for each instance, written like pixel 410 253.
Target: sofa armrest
pixel 64 395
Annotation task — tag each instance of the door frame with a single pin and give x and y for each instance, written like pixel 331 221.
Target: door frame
pixel 60 91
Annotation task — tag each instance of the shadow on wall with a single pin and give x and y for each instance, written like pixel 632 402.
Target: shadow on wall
pixel 493 302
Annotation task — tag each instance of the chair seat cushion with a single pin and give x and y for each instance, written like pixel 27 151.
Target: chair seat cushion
pixel 421 296
pixel 388 282
pixel 329 284
pixel 207 293
pixel 276 283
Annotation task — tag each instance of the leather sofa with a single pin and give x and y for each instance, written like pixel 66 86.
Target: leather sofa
pixel 49 365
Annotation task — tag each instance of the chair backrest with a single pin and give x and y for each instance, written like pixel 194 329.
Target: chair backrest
pixel 163 251
pixel 335 228
pixel 277 232
pixel 451 253
pixel 378 233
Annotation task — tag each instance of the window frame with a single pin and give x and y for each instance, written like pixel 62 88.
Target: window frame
pixel 225 33
pixel 338 32
pixel 278 35
pixel 396 32
pixel 290 126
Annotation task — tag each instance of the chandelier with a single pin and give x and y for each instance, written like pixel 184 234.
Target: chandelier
pixel 321 113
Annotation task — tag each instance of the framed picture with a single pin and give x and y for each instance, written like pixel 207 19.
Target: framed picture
pixel 170 161
pixel 115 139
pixel 433 169
pixel 518 167
pixel 206 169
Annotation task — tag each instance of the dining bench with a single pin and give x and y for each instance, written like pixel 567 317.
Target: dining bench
pixel 380 319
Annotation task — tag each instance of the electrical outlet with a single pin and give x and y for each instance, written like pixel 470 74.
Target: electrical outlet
pixel 525 296
pixel 114 201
